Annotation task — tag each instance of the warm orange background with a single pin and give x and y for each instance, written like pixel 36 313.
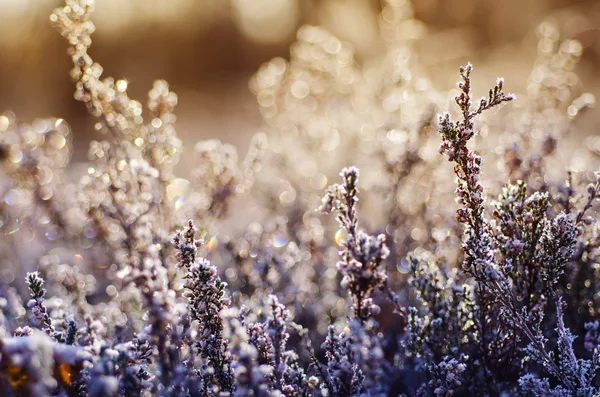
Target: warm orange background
pixel 208 49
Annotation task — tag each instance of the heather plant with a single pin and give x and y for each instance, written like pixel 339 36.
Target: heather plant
pixel 361 255
pixel 144 282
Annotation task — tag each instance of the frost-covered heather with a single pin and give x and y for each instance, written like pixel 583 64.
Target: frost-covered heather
pixel 454 263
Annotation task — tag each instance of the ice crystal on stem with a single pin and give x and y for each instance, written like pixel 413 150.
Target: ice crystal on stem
pixel 479 244
pixel 36 286
pixel 207 298
pixel 552 253
pixel 362 255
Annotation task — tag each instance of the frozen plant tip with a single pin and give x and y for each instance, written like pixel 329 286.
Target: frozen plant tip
pixel 35 283
pixel 207 298
pixel 362 255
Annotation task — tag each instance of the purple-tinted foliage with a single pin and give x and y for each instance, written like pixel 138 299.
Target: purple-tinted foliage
pixel 494 295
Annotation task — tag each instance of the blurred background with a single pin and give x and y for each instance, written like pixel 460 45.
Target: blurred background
pixel 208 49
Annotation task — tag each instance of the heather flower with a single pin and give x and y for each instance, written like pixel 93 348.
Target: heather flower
pixel 206 295
pixel 447 375
pixel 362 255
pixel 480 247
pixel 499 300
pixel 344 378
pixel 36 304
pixel 557 247
pixel 447 319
